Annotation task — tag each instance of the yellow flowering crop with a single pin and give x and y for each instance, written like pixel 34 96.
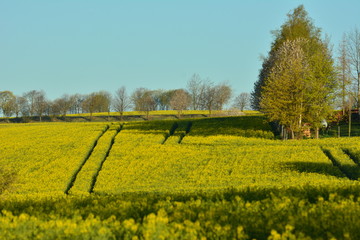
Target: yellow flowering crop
pixel 147 184
pixel 44 156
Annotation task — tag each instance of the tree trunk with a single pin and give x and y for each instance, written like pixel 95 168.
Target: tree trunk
pixel 285 133
pixel 317 133
pixel 350 122
pixel 358 93
pixel 343 100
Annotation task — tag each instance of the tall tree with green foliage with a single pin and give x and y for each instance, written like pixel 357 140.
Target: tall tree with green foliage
pixel 284 95
pixel 298 25
pixel 298 77
pixel 322 84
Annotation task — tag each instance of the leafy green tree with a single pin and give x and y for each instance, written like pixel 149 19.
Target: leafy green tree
pixel 284 95
pixel 298 25
pixel 321 85
pixel 297 80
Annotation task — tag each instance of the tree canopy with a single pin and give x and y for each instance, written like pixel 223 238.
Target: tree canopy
pixel 297 78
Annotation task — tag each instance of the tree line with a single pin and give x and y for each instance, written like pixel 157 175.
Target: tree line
pixel 299 84
pixel 200 94
pixel 348 70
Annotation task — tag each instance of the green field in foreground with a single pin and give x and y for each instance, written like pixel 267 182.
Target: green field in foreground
pixel 210 178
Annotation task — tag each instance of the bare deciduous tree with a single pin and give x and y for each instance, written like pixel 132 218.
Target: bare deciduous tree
pixel 17 106
pixel 23 106
pixel 77 100
pixel 104 100
pixel 353 50
pixel 195 89
pixel 208 96
pixel 30 98
pixel 40 104
pixel 242 101
pixel 343 73
pixel 180 101
pixel 7 103
pixel 163 99
pixel 148 103
pixel 121 101
pixel 223 93
pixel 143 101
pixel 62 106
pixel 97 102
pixel 136 98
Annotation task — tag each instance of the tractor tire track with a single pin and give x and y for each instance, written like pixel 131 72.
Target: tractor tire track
pixel 187 131
pixel 73 178
pixel 95 176
pixel 337 164
pixel 171 132
pixel 352 156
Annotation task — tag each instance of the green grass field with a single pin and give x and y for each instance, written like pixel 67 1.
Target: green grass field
pixel 207 178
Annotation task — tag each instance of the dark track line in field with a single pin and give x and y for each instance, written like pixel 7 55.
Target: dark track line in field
pixel 181 137
pixel 336 164
pixel 187 131
pixel 94 178
pixel 171 132
pixel 188 127
pixel 73 178
pixel 352 156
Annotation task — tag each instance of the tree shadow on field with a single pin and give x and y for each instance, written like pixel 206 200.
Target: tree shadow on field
pixel 246 126
pixel 313 167
pixel 160 126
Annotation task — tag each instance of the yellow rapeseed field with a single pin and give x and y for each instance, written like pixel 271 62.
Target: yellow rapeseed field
pixel 217 178
pixel 44 156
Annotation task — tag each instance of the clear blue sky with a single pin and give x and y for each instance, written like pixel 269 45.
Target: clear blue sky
pixel 81 46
